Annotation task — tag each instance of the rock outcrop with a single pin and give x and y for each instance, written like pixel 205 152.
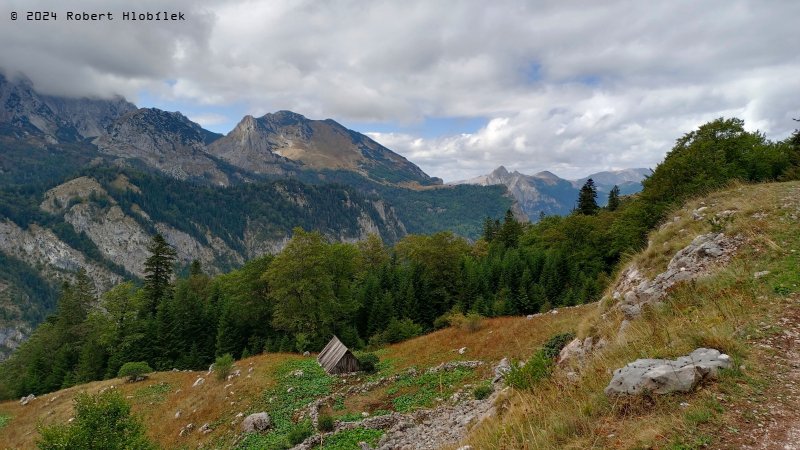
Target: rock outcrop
pixel 256 422
pixel 663 376
pixel 634 291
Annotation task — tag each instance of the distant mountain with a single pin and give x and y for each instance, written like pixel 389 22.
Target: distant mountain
pixel 261 144
pixel 628 180
pixel 547 193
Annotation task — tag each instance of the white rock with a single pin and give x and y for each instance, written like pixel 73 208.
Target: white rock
pixel 662 376
pixel 199 382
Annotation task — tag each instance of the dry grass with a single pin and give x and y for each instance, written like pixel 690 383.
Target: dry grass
pixel 513 337
pixel 508 336
pixel 209 403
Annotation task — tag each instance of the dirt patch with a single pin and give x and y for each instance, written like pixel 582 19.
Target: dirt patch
pixel 771 421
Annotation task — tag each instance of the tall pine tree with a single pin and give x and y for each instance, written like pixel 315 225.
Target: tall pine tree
pixel 587 199
pixel 158 269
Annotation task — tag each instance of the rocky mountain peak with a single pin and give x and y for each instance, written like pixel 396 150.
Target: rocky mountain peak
pixel 500 172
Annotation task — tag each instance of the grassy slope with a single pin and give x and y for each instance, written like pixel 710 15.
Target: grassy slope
pixel 729 310
pixel 157 399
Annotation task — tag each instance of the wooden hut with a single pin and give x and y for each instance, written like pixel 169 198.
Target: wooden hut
pixel 336 358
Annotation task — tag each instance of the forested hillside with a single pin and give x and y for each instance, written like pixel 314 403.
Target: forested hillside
pixel 370 294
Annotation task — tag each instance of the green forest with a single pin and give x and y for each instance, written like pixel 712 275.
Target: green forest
pixel 369 293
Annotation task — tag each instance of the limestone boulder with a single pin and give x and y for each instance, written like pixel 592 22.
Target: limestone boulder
pixel 663 376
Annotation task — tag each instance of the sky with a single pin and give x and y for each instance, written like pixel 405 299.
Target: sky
pixel 457 87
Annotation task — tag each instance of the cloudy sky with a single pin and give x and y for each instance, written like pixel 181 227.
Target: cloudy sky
pixel 458 87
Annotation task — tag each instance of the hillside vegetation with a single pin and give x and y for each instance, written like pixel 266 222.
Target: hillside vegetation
pixel 157 399
pixel 371 295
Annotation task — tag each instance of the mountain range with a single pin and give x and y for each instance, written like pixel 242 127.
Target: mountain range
pixel 548 194
pixel 85 183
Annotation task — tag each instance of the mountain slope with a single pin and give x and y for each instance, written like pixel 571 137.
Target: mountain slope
pixel 745 305
pixel 27 114
pixel 166 141
pixel 261 144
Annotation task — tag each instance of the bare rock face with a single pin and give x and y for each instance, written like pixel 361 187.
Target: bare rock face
pixel 695 260
pixel 256 422
pixel 165 140
pixel 40 247
pixel 663 376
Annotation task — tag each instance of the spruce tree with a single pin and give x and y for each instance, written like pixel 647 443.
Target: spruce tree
pixel 158 269
pixel 587 199
pixel 613 198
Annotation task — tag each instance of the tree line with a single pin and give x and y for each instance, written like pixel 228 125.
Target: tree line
pixel 370 294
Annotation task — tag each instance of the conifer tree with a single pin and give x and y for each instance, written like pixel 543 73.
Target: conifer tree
pixel 587 199
pixel 613 198
pixel 158 269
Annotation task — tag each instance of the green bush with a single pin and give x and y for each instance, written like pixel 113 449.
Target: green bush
pixel 538 368
pixel 368 361
pixel 483 391
pixel 223 366
pixel 553 346
pixel 135 371
pixel 398 330
pixel 300 432
pixel 325 423
pixel 101 421
pixel 471 322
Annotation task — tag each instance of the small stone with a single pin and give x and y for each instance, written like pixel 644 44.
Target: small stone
pixel 462 350
pixel 306 353
pixel 762 274
pixel 178 414
pixel 364 414
pixel 199 382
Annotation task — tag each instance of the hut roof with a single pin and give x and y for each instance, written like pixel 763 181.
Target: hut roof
pixel 332 354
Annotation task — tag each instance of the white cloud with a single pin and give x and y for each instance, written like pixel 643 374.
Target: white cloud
pixel 568 86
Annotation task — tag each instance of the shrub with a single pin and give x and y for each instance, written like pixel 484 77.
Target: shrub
pixel 135 371
pixel 396 331
pixel 532 372
pixel 101 421
pixel 555 344
pixel 300 432
pixel 471 322
pixel 368 361
pixel 483 391
pixel 325 423
pixel 223 366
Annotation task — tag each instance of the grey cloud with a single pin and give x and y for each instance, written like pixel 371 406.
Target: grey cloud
pixel 615 82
